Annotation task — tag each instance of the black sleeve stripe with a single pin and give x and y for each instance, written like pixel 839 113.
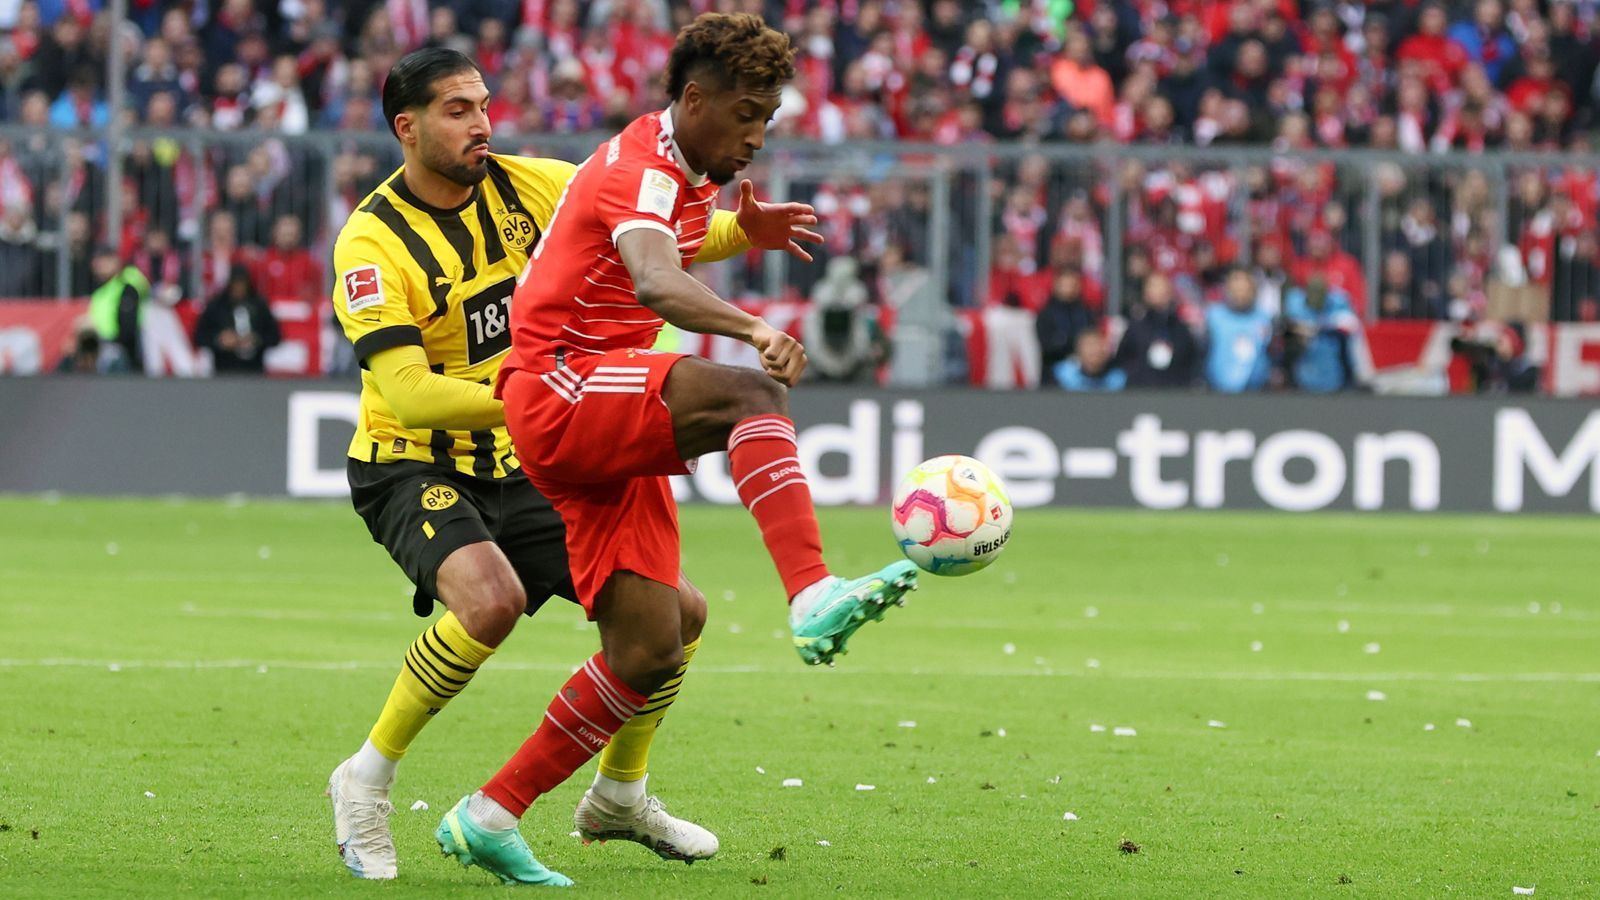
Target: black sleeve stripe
pixel 508 192
pixel 493 250
pixel 455 231
pixel 387 338
pixel 438 287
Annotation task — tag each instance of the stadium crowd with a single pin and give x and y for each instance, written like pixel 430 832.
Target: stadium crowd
pixel 1513 244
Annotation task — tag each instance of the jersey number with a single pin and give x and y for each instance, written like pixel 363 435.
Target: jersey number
pixel 489 321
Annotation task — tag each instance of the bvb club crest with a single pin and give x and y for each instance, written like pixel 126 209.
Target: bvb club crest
pixel 516 230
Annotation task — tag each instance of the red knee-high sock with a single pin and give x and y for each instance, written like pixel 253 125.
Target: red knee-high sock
pixel 764 465
pixel 587 710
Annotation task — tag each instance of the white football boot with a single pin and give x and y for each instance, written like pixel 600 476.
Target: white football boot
pixel 361 826
pixel 649 823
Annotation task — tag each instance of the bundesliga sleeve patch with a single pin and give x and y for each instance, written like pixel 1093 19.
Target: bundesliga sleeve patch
pixel 658 193
pixel 363 287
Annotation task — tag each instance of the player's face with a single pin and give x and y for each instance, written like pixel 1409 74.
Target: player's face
pixel 453 132
pixel 729 127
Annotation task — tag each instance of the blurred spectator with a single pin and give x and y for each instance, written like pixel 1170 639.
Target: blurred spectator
pixel 237 326
pixel 1494 355
pixel 1062 318
pixel 287 270
pixel 1238 337
pixel 116 307
pixel 1157 349
pixel 80 105
pixel 21 259
pixel 1090 368
pixel 843 341
pixel 1320 328
pixel 84 354
pixel 1341 269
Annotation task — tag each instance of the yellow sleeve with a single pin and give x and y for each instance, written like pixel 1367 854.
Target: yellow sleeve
pixel 422 399
pixel 724 240
pixel 539 183
pixel 371 294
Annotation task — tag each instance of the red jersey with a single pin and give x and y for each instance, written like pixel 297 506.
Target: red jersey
pixel 576 295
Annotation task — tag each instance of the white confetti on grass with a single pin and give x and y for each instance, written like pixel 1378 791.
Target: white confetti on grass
pixel 264 552
pixel 1090 612
pixel 1222 560
pixel 866 787
pixel 1216 724
pixel 792 782
pixel 1525 891
pixel 1533 607
pixel 1255 646
pixel 1555 608
pixel 932 780
pixel 1377 695
pixel 1096 729
pixel 728 595
pixel 824 843
pixel 1000 732
pixel 1373 648
pixel 1069 816
pixel 1258 608
pixel 1463 723
pixel 908 723
pixel 112 549
pixel 420 806
pixel 1054 779
pixel 760 771
pixel 1092 663
pixel 114 667
pixel 1344 627
pixel 150 794
pixel 1124 731
pixel 574 834
pixel 1009 649
pixel 1428 727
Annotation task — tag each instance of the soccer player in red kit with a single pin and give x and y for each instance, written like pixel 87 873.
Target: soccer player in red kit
pixel 599 420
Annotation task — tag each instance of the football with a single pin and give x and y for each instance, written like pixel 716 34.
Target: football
pixel 951 515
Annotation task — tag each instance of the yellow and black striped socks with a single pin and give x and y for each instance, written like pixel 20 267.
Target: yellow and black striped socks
pixel 627 757
pixel 437 666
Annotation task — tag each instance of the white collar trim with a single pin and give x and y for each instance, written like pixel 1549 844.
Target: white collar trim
pixel 696 179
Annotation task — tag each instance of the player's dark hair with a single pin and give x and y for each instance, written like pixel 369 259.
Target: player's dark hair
pixel 736 49
pixel 410 82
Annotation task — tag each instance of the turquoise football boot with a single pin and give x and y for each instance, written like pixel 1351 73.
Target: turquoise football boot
pixel 846 605
pixel 501 853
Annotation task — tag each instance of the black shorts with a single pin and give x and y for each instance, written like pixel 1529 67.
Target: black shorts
pixel 421 514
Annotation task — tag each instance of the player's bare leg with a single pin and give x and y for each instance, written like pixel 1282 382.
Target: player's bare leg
pixel 484 599
pixel 746 412
pixel 618 806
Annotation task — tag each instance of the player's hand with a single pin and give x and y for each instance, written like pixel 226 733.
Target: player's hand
pixel 781 355
pixel 776 226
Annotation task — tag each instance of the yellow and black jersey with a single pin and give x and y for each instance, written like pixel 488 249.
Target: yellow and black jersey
pixel 414 274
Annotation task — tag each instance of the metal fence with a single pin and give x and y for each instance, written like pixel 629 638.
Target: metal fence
pixel 1408 236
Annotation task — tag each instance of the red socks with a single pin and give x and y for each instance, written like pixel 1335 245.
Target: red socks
pixel 587 710
pixel 766 469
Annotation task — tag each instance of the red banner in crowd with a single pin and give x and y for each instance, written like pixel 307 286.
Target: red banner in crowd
pixel 35 334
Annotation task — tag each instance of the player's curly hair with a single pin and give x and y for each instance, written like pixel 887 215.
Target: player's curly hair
pixel 736 49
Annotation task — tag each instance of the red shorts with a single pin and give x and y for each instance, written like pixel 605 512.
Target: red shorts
pixel 595 436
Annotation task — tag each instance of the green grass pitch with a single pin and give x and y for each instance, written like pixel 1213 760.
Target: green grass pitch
pixel 178 678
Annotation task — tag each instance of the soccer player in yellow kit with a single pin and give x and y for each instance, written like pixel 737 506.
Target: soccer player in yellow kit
pixel 426 268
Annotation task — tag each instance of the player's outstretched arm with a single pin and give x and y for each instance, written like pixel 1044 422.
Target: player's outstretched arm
pixel 662 285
